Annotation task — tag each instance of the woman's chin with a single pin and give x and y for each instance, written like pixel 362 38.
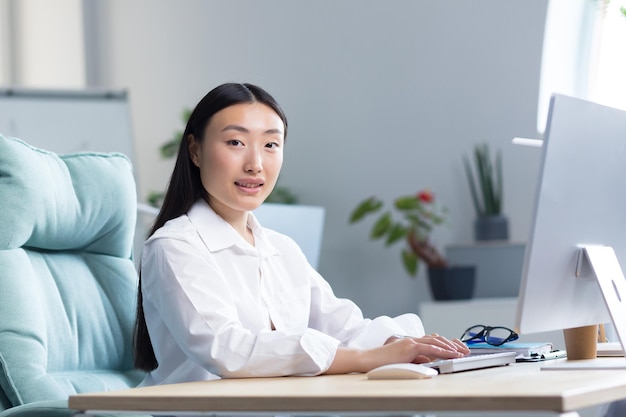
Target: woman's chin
pixel 251 204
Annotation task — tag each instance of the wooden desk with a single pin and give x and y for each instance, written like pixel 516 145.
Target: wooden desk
pixel 519 387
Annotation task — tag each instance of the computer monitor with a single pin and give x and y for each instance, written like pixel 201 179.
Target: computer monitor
pixel 571 274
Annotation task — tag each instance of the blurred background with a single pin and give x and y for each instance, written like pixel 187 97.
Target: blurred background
pixel 383 97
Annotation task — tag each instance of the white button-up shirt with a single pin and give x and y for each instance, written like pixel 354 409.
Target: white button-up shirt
pixel 216 306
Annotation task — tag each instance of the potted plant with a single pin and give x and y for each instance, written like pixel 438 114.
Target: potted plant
pixel 415 217
pixel 486 189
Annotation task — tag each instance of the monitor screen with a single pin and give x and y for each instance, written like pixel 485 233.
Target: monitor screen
pixel 580 201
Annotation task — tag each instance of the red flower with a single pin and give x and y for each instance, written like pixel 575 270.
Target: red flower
pixel 426 196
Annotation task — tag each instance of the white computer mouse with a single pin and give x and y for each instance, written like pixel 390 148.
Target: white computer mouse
pixel 402 371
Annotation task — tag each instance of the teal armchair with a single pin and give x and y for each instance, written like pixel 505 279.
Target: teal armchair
pixel 67 279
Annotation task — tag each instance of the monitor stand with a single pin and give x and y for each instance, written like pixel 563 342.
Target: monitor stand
pixel 605 266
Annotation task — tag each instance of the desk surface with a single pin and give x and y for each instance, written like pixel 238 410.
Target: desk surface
pixel 522 387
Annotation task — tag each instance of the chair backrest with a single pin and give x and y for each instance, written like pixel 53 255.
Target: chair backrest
pixel 67 279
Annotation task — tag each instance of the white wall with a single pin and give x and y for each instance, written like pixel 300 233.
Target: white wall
pixel 383 97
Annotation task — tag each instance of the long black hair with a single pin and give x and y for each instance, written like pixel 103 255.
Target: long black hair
pixel 185 187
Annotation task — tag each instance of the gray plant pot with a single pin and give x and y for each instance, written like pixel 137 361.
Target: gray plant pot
pixel 494 227
pixel 452 283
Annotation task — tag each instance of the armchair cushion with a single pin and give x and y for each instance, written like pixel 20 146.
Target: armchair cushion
pixel 67 280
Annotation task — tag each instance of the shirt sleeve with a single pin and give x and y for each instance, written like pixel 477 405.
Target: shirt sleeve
pixel 192 299
pixel 343 319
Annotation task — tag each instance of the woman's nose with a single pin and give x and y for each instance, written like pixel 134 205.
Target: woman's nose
pixel 254 162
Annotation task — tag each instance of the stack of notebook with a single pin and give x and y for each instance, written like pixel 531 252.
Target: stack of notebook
pixel 523 350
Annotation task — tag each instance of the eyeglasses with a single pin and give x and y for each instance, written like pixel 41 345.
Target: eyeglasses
pixel 494 336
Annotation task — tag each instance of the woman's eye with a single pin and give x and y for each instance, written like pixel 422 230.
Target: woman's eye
pixel 272 145
pixel 234 142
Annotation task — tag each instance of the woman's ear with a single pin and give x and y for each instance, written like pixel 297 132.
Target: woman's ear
pixel 194 148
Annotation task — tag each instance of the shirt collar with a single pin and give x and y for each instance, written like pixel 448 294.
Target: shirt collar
pixel 218 234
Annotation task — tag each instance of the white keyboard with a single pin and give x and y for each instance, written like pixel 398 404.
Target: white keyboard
pixel 473 361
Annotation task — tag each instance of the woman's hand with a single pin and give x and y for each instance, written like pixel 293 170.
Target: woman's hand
pixel 398 350
pixel 429 347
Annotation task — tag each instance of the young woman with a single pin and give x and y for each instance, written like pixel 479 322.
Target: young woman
pixel 220 296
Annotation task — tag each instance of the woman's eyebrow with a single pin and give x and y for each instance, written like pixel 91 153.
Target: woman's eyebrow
pixel 238 128
pixel 242 129
pixel 274 132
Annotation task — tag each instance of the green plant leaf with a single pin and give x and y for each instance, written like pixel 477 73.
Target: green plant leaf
pixel 155 198
pixel 382 225
pixel 418 222
pixel 418 217
pixel 396 233
pixel 485 175
pixel 170 148
pixel 408 202
pixel 497 198
pixel 367 206
pixel 185 115
pixel 489 176
pixel 281 195
pixel 436 219
pixel 409 260
pixel 472 185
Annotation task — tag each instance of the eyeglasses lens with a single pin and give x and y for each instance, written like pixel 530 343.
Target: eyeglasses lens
pixel 498 335
pixel 495 336
pixel 474 333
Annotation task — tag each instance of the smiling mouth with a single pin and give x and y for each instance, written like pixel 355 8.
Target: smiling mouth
pixel 248 184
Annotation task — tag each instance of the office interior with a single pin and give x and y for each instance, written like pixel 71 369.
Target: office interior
pixel 383 98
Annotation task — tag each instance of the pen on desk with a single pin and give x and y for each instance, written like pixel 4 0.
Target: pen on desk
pixel 555 354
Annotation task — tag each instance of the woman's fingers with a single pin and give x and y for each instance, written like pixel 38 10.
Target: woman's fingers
pixel 462 347
pixel 425 349
pixel 443 343
pixel 433 346
pixel 437 352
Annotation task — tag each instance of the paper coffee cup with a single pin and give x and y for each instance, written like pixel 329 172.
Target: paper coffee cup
pixel 581 342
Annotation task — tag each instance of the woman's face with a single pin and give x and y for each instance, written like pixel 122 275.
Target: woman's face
pixel 240 157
